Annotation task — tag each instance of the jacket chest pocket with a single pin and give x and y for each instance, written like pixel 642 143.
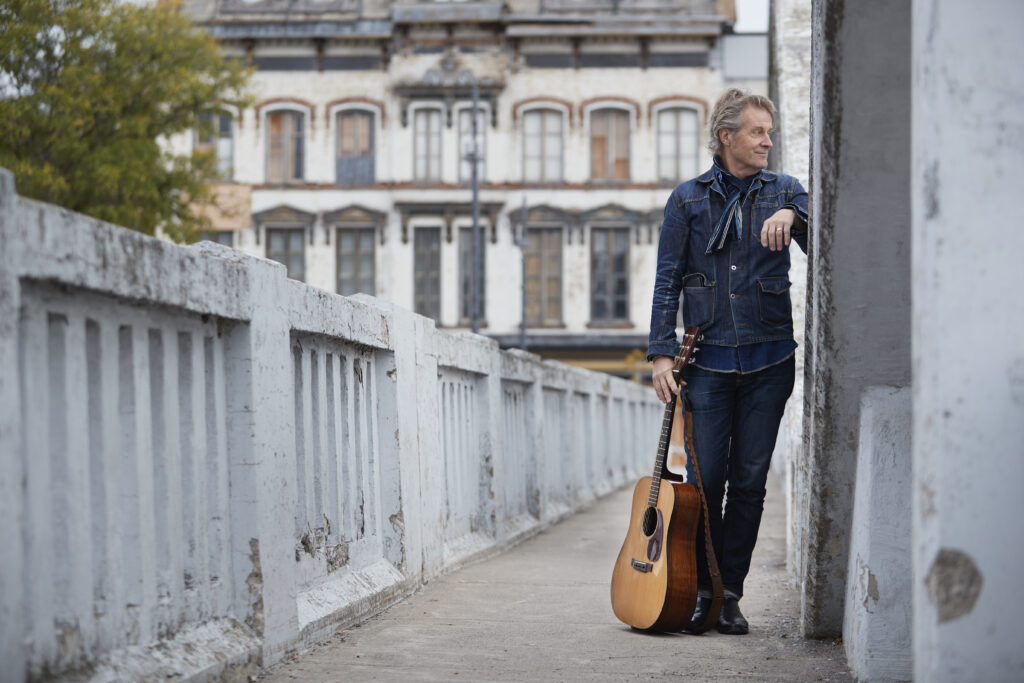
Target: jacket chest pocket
pixel 698 301
pixel 773 300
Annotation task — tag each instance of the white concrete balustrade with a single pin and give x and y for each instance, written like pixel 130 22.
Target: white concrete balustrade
pixel 205 465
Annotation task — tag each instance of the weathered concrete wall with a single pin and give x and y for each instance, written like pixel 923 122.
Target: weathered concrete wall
pixel 858 317
pixel 790 90
pixel 968 104
pixel 876 628
pixel 207 465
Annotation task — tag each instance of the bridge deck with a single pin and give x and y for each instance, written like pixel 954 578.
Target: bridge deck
pixel 541 611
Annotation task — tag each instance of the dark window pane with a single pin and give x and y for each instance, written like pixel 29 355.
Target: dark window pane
pixel 609 274
pixel 287 246
pixel 354 162
pixel 544 276
pixel 466 275
pixel 427 272
pixel 355 261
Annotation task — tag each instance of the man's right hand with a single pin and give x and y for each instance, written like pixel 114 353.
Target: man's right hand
pixel 664 383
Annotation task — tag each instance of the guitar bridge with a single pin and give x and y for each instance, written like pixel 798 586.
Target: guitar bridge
pixel 642 566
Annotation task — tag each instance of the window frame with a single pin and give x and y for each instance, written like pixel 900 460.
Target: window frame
pixel 677 105
pixel 306 118
pixel 228 174
pixel 545 108
pixel 439 110
pixel 544 297
pixel 465 282
pixel 425 310
pixel 631 125
pixel 484 112
pixel 361 230
pixel 611 276
pixel 335 115
pixel 293 228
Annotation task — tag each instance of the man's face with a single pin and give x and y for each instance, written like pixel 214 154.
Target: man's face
pixel 745 151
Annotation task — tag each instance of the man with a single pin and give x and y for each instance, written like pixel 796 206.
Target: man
pixel 724 244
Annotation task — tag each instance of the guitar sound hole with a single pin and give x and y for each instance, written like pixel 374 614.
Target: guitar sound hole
pixel 650 522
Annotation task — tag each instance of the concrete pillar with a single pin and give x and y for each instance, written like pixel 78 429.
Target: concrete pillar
pixel 13 601
pixel 876 630
pixel 859 269
pixel 968 104
pixel 790 37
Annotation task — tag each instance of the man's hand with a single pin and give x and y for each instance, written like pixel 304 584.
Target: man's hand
pixel 775 232
pixel 664 383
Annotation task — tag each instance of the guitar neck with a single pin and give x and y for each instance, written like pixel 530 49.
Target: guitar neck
pixel 684 356
pixel 663 442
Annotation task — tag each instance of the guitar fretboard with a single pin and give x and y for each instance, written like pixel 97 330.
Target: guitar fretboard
pixel 682 359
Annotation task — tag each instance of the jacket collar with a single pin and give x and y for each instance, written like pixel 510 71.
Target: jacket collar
pixel 712 174
pixel 713 177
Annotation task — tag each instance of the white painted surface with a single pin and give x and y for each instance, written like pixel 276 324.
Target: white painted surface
pixel 876 628
pixel 968 358
pixel 203 455
pixel 792 58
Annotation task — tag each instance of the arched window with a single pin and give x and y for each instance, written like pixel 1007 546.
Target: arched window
pixel 217 135
pixel 285 146
pixel 466 142
pixel 678 144
pixel 427 144
pixel 609 144
pixel 543 134
pixel 354 159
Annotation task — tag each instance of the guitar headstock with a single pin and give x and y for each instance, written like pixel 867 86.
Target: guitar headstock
pixel 685 356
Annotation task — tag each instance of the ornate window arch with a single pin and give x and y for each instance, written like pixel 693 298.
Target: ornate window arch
pixel 354 125
pixel 544 126
pixel 287 123
pixel 678 122
pixel 608 124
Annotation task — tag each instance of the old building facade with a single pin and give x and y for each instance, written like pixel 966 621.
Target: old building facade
pixel 352 166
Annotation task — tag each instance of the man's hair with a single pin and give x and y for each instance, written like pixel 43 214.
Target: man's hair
pixel 728 113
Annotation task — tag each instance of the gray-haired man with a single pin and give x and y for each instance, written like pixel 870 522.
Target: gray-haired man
pixel 724 244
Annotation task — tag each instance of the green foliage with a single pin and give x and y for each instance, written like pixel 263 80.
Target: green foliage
pixel 88 87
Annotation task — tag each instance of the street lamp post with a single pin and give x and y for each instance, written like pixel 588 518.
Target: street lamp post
pixel 474 159
pixel 522 249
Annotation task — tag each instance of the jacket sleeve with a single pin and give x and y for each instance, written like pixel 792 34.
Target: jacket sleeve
pixel 798 202
pixel 672 254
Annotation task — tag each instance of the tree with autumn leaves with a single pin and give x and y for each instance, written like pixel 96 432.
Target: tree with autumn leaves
pixel 87 90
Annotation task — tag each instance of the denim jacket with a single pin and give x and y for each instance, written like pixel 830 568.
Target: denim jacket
pixel 740 294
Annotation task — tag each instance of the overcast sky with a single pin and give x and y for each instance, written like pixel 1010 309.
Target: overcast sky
pixel 751 16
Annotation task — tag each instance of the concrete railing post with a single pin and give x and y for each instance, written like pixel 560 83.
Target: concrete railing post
pixel 12 522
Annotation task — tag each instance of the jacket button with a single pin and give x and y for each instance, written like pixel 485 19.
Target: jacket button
pixel 732 296
pixel 733 267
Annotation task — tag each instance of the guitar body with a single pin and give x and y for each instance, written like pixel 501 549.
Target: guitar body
pixel 654 583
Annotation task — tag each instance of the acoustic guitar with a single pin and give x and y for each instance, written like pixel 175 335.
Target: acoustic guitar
pixel 654 583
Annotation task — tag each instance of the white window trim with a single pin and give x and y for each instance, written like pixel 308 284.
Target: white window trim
pixel 485 111
pixel 332 125
pixel 701 123
pixel 543 105
pixel 439 106
pixel 307 131
pixel 588 113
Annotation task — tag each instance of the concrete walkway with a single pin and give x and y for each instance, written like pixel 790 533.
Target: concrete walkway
pixel 541 612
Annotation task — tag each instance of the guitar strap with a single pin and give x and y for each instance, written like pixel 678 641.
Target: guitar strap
pixel 718 595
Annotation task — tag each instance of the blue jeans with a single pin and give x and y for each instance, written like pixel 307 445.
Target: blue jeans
pixel 735 422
